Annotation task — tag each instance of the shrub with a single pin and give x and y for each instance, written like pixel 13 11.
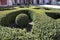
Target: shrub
pixel 37 8
pixel 10 17
pixel 6 8
pixel 57 35
pixel 21 6
pixel 58 23
pixel 44 26
pixel 22 20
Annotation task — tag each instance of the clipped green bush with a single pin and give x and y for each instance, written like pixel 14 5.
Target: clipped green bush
pixel 44 26
pixel 22 20
pixel 9 18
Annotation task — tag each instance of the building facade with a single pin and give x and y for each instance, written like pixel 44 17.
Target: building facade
pixel 24 2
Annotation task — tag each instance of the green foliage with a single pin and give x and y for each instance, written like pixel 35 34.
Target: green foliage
pixel 14 34
pixel 10 17
pixel 45 28
pixel 22 20
pixel 7 33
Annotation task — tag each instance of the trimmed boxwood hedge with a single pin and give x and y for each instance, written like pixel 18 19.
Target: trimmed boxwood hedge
pixel 22 20
pixel 10 17
pixel 44 28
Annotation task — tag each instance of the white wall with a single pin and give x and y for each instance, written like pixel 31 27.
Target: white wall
pixel 34 1
pixel 40 1
pixel 9 2
pixel 53 1
pixel 46 1
pixel 13 1
pixel 18 1
pixel 22 1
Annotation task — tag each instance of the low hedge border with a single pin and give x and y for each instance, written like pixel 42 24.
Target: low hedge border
pixel 10 18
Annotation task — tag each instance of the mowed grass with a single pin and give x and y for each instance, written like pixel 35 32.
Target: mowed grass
pixel 44 26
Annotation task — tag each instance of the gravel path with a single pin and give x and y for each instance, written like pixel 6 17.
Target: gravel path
pixel 51 6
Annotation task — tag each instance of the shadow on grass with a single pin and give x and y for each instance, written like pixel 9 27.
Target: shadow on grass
pixel 53 15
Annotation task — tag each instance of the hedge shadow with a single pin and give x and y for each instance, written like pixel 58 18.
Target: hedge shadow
pixel 53 15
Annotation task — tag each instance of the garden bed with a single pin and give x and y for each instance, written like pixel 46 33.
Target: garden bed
pixel 44 27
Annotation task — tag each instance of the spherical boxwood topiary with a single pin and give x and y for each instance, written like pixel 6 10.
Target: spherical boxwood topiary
pixel 22 20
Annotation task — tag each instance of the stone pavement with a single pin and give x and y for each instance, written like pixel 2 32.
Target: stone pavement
pixel 51 6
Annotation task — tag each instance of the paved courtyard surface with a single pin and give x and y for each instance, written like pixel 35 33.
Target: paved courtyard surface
pixel 51 6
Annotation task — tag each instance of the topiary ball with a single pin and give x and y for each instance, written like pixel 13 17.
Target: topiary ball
pixel 22 20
